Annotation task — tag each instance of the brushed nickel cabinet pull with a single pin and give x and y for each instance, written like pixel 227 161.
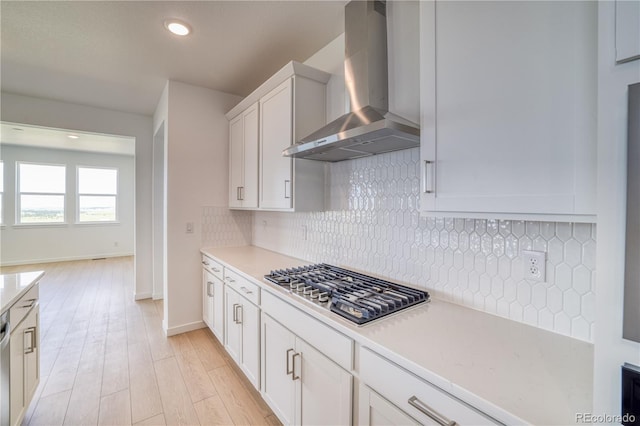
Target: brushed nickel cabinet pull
pixel 293 369
pixel 428 177
pixel 32 340
pixel 287 186
pixel 430 412
pixel 239 314
pixel 235 313
pixel 246 290
pixel 289 371
pixel 209 287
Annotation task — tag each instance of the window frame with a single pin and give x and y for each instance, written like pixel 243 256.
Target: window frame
pixel 18 196
pixel 115 196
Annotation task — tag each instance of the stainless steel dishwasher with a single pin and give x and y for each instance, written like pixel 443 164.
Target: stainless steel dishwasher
pixel 5 333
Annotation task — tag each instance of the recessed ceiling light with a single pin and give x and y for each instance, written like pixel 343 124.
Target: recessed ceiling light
pixel 73 137
pixel 177 27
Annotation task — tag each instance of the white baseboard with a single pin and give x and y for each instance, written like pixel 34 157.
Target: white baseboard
pixel 157 296
pixel 140 296
pixel 63 259
pixel 184 328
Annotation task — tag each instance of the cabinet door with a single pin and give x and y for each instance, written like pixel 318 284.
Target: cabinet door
pixel 249 317
pixel 207 297
pixel 374 410
pixel 31 354
pixel 236 160
pixel 627 31
pixel 509 100
pixel 321 384
pixel 278 387
pixel 218 309
pixel 16 373
pixel 276 127
pixel 233 329
pixel 249 191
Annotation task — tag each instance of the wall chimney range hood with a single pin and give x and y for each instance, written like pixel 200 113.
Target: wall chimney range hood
pixel 370 128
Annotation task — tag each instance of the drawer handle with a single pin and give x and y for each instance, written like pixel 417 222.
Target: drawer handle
pixel 30 305
pixel 430 412
pixel 231 280
pixel 205 263
pixel 32 343
pixel 246 290
pixel 215 269
pixel 289 370
pixel 293 367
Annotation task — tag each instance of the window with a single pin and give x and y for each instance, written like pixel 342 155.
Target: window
pixel 97 194
pixel 41 193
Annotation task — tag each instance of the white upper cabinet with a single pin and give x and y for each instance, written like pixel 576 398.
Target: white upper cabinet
pixel 286 108
pixel 243 159
pixel 508 108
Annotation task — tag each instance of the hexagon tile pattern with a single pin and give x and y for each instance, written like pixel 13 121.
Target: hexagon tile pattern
pixel 222 227
pixel 373 224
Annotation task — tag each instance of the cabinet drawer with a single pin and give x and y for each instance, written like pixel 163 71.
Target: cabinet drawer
pixel 335 345
pixel 21 308
pixel 212 266
pixel 415 396
pixel 242 285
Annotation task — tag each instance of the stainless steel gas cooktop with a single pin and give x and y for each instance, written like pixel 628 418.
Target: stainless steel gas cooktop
pixel 357 297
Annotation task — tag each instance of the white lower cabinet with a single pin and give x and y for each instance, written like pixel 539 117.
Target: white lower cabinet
pixel 300 384
pixel 213 304
pixel 242 325
pixel 24 374
pixel 374 410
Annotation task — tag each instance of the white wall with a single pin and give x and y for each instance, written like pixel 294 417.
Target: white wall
pixel 64 115
pixel 611 351
pixel 35 244
pixel 197 175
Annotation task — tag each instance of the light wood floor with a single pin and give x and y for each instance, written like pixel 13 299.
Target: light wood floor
pixel 104 358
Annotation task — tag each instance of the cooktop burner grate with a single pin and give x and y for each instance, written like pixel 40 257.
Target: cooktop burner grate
pixel 357 297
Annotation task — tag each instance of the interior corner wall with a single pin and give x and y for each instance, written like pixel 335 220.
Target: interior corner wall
pixel 64 115
pixel 610 349
pixel 197 175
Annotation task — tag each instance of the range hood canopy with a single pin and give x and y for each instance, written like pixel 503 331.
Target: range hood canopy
pixel 370 128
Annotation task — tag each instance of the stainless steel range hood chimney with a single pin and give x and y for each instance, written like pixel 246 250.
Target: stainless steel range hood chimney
pixel 370 128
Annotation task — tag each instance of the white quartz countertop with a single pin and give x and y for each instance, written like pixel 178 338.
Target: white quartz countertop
pixel 13 286
pixel 535 375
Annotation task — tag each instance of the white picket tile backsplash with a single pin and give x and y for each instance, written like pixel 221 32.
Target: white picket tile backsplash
pixel 222 227
pixel 373 224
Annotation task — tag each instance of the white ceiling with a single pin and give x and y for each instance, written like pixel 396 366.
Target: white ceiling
pixel 117 54
pixel 45 137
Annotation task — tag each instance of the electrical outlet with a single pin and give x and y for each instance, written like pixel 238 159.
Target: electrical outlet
pixel 189 228
pixel 534 264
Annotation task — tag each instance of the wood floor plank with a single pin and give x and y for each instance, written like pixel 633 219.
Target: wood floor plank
pixel 145 396
pixel 84 404
pixel 158 342
pixel 176 402
pixel 180 343
pixel 273 420
pixel 211 411
pixel 51 410
pixel 211 355
pixel 153 421
pixel 115 376
pixel 115 409
pixel 195 376
pixel 236 397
